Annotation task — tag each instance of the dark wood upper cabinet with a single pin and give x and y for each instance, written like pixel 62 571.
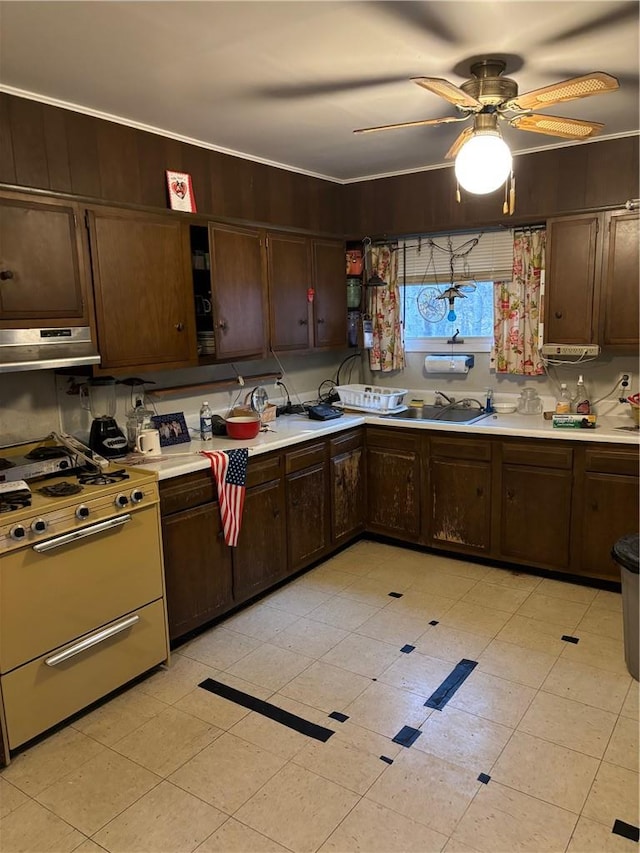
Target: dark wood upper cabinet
pixel 620 308
pixel 330 299
pixel 238 291
pixel 142 285
pixel 289 263
pixel 42 269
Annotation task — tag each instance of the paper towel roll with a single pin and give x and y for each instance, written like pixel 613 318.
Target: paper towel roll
pixel 447 363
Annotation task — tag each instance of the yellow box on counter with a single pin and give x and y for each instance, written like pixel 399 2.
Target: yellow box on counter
pixel 576 421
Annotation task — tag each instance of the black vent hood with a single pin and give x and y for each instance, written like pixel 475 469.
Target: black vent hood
pixel 44 349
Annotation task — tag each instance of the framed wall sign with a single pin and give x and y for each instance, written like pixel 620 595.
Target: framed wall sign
pixel 180 191
pixel 172 428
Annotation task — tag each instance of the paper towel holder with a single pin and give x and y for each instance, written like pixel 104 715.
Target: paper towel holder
pixel 463 363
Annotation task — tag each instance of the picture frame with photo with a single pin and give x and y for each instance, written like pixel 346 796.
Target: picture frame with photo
pixel 180 189
pixel 173 429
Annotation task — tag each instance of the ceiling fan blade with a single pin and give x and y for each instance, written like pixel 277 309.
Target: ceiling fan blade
pixel 445 89
pixel 595 83
pixel 568 128
pixel 626 12
pixel 421 123
pixel 460 140
pixel 421 17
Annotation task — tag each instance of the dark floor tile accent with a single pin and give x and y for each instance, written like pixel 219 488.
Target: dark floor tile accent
pixel 267 710
pixel 450 685
pixel 396 594
pixel 407 649
pixel 484 778
pixel 336 715
pixel 434 622
pixel 626 830
pixel 406 736
pixel 569 639
pixel 386 759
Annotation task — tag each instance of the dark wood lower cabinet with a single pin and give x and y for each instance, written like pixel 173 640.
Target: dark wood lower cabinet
pixel 307 516
pixel 259 559
pixel 347 495
pixel 610 510
pixel 393 484
pixel 460 504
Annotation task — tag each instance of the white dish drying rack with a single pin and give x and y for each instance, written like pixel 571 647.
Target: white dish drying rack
pixel 371 398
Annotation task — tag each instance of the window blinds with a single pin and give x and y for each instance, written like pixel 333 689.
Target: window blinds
pixel 489 260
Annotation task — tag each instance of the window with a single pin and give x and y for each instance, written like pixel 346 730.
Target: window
pixel 428 266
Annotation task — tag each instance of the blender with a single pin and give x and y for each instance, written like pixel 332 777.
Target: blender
pixel 98 396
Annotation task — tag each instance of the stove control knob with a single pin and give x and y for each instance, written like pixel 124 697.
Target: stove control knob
pixel 136 496
pixel 18 532
pixel 39 525
pixel 82 512
pixel 121 501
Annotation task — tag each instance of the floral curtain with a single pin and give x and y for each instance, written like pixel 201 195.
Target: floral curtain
pixel 384 307
pixel 517 307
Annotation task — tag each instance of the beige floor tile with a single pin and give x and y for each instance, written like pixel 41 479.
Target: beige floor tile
pixel 356 563
pixel 32 829
pixel 501 820
pixel 270 735
pixel 260 621
pixel 171 683
pixel 496 596
pixel 515 663
pixel 218 712
pixel 608 600
pixel 168 740
pixel 235 837
pixel 342 763
pixel 545 770
pixel 307 712
pixel 464 739
pixel 386 709
pixel 345 613
pixel 298 809
pixel 475 618
pixel 565 614
pixel 624 749
pixel 396 576
pixel 443 584
pixel 270 666
pixel 493 698
pixel 614 795
pixel 119 716
pixel 567 591
pixel 309 637
pixel 368 591
pixel 417 673
pixel 460 568
pixel 10 798
pixel 631 702
pixel 601 621
pixel 44 763
pixel 512 578
pixel 598 651
pixel 393 627
pixel 88 846
pixel 165 820
pixel 362 655
pixel 534 634
pixel 95 793
pixel 366 740
pixel 371 828
pixel 417 604
pixel 595 687
pixel 568 723
pixel 326 687
pixel 219 647
pixel 454 845
pixel 227 772
pixel 297 600
pixel 592 837
pixel 326 579
pixel 427 789
pixel 451 644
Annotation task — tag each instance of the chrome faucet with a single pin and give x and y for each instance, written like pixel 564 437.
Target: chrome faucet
pixel 439 396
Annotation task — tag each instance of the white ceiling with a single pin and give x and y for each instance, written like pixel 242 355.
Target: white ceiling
pixel 287 82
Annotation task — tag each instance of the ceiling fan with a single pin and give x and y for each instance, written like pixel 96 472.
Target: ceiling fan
pixel 488 96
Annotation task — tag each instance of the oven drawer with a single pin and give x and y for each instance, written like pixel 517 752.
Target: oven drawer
pixel 51 598
pixel 39 695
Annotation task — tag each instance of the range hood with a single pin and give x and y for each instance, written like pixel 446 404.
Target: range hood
pixel 44 349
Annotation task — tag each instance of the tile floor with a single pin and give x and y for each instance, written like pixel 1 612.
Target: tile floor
pixel 168 766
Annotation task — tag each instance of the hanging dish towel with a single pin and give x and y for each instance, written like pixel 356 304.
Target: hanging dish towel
pixel 230 471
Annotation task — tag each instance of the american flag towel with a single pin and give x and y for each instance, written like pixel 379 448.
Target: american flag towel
pixel 229 467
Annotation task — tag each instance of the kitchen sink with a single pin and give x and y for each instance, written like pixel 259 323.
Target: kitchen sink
pixel 446 414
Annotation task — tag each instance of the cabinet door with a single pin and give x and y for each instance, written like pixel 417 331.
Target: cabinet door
pixel 42 271
pixel 610 510
pixel 393 502
pixel 144 300
pixel 307 516
pixel 259 559
pixel 197 567
pixel 289 279
pixel 620 274
pixel 238 284
pixel 330 301
pixel 460 504
pixel 571 263
pixel 347 489
pixel 536 515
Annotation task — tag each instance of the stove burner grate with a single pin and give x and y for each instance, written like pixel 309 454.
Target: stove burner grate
pixel 60 490
pixel 103 479
pixel 11 504
pixel 47 452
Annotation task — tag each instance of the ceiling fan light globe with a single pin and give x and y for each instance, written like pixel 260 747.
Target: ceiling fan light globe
pixel 483 163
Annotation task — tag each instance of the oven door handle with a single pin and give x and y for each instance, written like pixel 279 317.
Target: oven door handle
pixel 92 640
pixel 91 530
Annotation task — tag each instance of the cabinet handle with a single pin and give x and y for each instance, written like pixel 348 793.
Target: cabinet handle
pixel 594 506
pixel 92 640
pixel 5 275
pixel 179 327
pixel 558 315
pixel 510 494
pixel 479 491
pixel 223 325
pixel 320 321
pixel 303 322
pixel 276 513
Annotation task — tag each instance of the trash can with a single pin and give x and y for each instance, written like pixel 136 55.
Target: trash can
pixel 625 553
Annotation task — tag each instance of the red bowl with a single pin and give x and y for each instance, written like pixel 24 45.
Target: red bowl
pixel 243 427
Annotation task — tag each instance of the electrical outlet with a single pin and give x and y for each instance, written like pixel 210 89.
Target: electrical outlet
pixel 624 383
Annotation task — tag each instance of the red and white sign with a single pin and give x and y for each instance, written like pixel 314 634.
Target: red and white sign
pixel 180 191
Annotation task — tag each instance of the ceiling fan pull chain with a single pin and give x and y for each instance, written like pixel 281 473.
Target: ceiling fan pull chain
pixel 458 192
pixel 512 195
pixel 505 206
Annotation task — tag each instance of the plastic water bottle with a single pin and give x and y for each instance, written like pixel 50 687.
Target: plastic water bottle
pixel 206 431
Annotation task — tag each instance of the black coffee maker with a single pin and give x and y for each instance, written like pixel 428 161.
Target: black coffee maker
pixel 98 396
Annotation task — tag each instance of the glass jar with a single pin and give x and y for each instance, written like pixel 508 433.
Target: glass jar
pixel 138 418
pixel 354 292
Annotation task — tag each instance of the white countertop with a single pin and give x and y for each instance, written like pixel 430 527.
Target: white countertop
pixel 288 430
